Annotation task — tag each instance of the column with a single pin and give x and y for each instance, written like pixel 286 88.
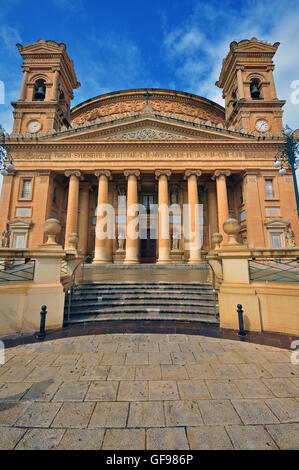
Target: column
pixel 240 84
pixel 163 216
pixel 55 85
pixel 72 204
pixel 222 200
pixel 132 242
pixel 5 200
pixel 101 255
pixel 24 84
pixel 83 217
pixel 212 208
pixel 194 224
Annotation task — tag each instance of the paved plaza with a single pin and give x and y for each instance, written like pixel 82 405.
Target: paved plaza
pixel 148 391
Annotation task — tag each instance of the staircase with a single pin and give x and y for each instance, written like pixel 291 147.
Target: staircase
pixel 95 301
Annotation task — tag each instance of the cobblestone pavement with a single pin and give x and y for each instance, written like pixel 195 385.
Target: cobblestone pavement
pixel 148 391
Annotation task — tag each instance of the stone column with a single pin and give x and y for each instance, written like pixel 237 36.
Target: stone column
pixel 26 70
pixel 163 216
pixel 101 253
pixel 132 244
pixel 72 204
pixel 212 208
pixel 222 200
pixel 83 217
pixel 240 84
pixel 194 228
pixel 55 96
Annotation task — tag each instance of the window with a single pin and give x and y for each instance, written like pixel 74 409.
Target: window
pixel 242 216
pixel 276 241
pixel 39 92
pixel 26 189
pixel 269 188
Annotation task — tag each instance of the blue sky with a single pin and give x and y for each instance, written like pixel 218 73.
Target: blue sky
pixel 163 43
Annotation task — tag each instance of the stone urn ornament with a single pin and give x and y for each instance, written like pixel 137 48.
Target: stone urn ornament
pixel 51 227
pixel 73 241
pixel 232 227
pixel 217 239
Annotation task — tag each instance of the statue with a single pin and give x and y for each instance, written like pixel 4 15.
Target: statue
pixel 121 240
pixel 290 237
pixel 175 241
pixel 5 237
pixel 174 197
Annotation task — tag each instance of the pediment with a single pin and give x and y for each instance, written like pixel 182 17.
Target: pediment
pixel 277 223
pixel 147 129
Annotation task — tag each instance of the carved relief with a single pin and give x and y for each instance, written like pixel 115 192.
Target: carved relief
pixel 146 134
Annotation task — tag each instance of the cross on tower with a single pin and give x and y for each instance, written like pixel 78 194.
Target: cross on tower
pixel 147 96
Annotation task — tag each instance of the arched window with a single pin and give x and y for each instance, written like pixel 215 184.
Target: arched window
pixel 235 99
pixel 255 91
pixel 39 92
pixel 61 96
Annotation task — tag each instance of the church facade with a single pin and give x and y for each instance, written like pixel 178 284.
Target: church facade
pixel 152 147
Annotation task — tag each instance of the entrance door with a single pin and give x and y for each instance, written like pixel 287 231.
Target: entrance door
pixel 148 244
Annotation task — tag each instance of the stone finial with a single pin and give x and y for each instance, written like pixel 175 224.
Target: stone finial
pixel 217 239
pixel 73 241
pixel 52 227
pixel 232 227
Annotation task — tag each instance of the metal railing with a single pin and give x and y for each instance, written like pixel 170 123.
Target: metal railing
pixel 20 270
pixel 274 269
pixel 72 286
pixel 213 287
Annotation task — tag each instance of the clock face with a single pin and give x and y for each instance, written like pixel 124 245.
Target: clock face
pixel 261 125
pixel 34 126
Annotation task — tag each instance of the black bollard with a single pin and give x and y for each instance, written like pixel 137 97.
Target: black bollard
pixel 241 322
pixel 43 314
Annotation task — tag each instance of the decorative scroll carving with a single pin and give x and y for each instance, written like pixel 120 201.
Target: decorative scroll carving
pixel 69 173
pixel 106 173
pixel 158 173
pixel 221 172
pixel 136 173
pixel 146 134
pixel 188 173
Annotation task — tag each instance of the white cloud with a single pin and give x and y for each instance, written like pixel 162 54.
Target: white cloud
pixel 10 37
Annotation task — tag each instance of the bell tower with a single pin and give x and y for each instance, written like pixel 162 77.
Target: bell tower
pixel 47 88
pixel 247 81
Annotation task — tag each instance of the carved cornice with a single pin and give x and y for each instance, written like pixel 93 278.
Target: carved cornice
pixel 218 173
pixel 128 173
pixel 196 173
pixel 107 173
pixel 159 173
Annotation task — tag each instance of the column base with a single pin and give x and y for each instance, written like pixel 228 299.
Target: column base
pixel 131 256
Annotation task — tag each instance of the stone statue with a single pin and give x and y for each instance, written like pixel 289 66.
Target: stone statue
pixel 5 238
pixel 121 240
pixel 173 197
pixel 175 241
pixel 290 238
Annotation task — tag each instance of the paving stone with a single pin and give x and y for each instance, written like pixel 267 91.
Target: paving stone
pixel 71 392
pixel 146 414
pixel 43 360
pixel 205 356
pixel 70 373
pixel 169 347
pixel 13 391
pixel 40 374
pixel 190 348
pixel 218 412
pixel 102 391
pixel 9 437
pixel 163 390
pixel 42 391
pixel 128 348
pixel 200 371
pixel 221 389
pixel 109 415
pixel 148 347
pixel 212 346
pixel 253 371
pixel 183 358
pixel 282 370
pixel 229 371
pixel 10 411
pixel 124 439
pixel 138 358
pixel 276 356
pixel 166 439
pixel 253 357
pixel 254 412
pixel 182 413
pixel 285 435
pixel 16 374
pixel 41 439
pixel 281 387
pixel 160 358
pixel 82 439
pixel 88 359
pixel 173 372
pixel 253 388
pixel 193 389
pixel 250 438
pixel 208 438
pixel 133 391
pixel 73 415
pixel 95 373
pixel 38 415
pixel 286 409
pixel 148 372
pixel 113 359
pixel 105 347
pixel 229 357
pixel 20 361
pixel 121 373
pixel 66 360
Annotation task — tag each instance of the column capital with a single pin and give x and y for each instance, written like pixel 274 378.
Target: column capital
pixel 77 173
pixel 188 173
pixel 218 173
pixel 159 173
pixel 106 173
pixel 25 68
pixel 136 173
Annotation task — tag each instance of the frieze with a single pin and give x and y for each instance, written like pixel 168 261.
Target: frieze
pixel 149 156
